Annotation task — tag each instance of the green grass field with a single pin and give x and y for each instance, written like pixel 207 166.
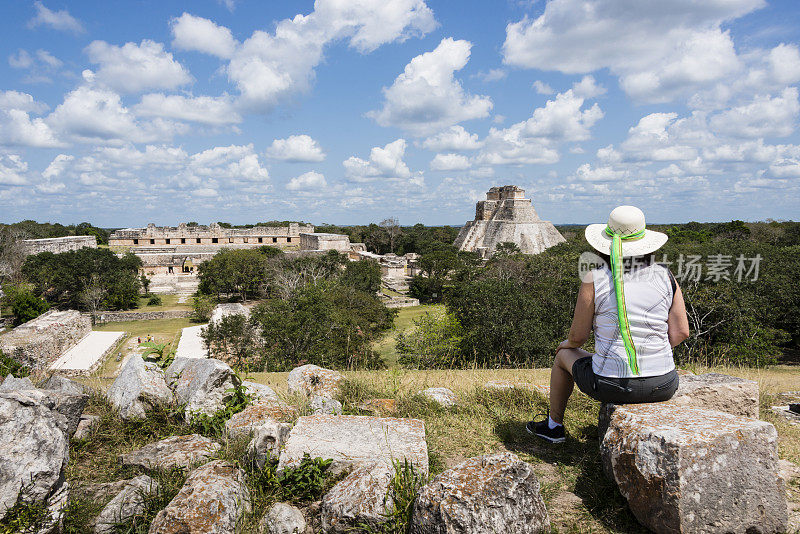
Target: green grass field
pixel 168 302
pixel 403 322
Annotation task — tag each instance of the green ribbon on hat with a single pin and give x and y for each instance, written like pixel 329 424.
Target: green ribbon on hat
pixel 619 292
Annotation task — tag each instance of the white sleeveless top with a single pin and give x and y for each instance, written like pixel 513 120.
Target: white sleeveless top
pixel 648 298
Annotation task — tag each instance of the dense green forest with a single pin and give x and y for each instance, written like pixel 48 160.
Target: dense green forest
pixel 36 230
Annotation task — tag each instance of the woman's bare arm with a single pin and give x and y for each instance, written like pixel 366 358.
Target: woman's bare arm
pixel 582 319
pixel 677 323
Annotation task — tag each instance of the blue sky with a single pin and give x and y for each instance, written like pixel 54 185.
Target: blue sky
pixel 351 111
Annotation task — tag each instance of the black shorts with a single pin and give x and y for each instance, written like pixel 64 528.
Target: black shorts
pixel 623 390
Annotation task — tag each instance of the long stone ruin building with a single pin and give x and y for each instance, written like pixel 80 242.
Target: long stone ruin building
pixel 41 341
pixel 57 245
pixel 182 247
pixel 507 216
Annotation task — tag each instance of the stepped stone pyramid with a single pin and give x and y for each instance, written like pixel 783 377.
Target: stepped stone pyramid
pixel 507 216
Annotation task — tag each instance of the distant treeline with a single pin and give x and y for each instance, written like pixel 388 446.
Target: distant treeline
pixel 35 230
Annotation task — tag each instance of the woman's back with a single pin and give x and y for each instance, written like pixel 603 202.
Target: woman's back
pixel 648 298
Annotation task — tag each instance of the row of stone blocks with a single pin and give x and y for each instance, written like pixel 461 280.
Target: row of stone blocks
pixel 699 463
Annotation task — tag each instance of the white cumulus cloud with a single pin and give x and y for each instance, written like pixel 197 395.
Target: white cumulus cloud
pixel 307 181
pixel 450 162
pixel 211 110
pixel 58 20
pixel 296 148
pixel 202 35
pixel 453 138
pixel 427 98
pixel 133 68
pixel 385 162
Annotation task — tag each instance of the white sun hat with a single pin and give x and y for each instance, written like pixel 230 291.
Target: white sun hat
pixel 625 220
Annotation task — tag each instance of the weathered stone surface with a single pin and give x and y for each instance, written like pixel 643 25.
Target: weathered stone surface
pixel 69 405
pixel 41 341
pixel 226 309
pixel 85 426
pixel 361 498
pixel 282 518
pixel 100 491
pixel 312 380
pixel 352 440
pixel 175 451
pixel 267 441
pixel 56 382
pixel 487 494
pixel 442 396
pixel 686 469
pixel 259 391
pixel 211 501
pixel 379 407
pixel 325 405
pixel 11 383
pixel 34 451
pixel 501 384
pixel 202 384
pixel 258 413
pixel 139 387
pixel 785 413
pixel 715 391
pixel 127 503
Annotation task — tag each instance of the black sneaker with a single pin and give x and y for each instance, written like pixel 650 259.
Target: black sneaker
pixel 543 430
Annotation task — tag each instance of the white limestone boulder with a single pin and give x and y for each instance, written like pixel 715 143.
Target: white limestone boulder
pixel 202 385
pixel 257 414
pixel 442 396
pixel 175 451
pixel 715 391
pixel 259 391
pixel 34 452
pixel 70 405
pixel 212 501
pixel 362 498
pixel 11 383
pixel 325 406
pixel 352 440
pixel 282 518
pixel 129 502
pixel 85 426
pixel 483 495
pixel 228 308
pixel 56 382
pixel 139 387
pixel 312 380
pixel 686 469
pixel 267 441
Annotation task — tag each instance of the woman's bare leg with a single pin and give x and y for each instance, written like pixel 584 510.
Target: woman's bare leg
pixel 561 382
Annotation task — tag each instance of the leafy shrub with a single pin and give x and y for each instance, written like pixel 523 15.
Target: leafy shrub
pixel 155 300
pixel 203 305
pixel 306 482
pixel 160 353
pixel 214 425
pixel 24 517
pixel 10 366
pixel 403 489
pixel 24 304
pixel 433 342
pixel 364 275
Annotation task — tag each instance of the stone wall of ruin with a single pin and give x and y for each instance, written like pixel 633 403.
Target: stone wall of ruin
pixel 118 317
pixel 212 234
pixel 57 245
pixel 41 341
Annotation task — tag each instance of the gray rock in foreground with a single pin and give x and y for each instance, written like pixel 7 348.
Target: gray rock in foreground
pixel 34 451
pixel 267 441
pixel 139 387
pixel 352 440
pixel 487 494
pixel 312 380
pixel 441 396
pixel 56 382
pixel 715 391
pixel 86 424
pixel 212 501
pixel 282 518
pixel 175 451
pixel 129 502
pixel 68 404
pixel 361 498
pixel 686 469
pixel 325 406
pixel 201 384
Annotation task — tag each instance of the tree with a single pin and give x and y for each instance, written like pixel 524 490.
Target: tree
pixel 145 284
pixel 24 304
pixel 237 272
pixel 93 295
pixel 364 275
pixel 392 228
pixel 12 254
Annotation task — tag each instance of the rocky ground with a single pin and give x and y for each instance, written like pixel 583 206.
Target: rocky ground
pixel 194 448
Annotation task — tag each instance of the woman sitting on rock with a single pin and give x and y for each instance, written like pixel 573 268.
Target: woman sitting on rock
pixel 636 309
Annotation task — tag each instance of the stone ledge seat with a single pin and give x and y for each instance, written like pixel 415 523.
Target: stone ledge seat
pixel 689 469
